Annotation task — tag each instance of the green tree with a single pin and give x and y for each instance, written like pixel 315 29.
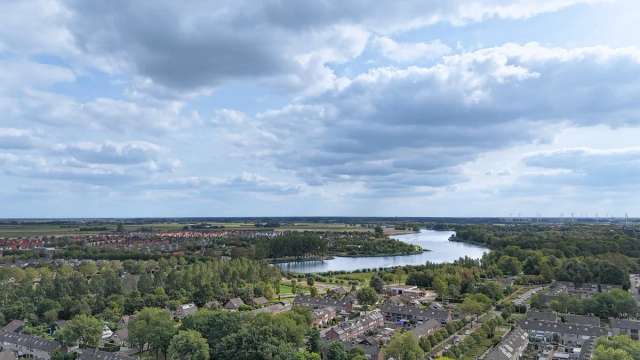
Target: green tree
pixel 214 324
pixel 336 351
pixel 425 344
pixel 403 346
pixel 84 330
pixel 378 231
pixel 314 343
pixel 153 327
pixel 306 355
pixel 475 304
pixel 509 265
pixel 367 296
pixel 617 348
pixel 376 283
pixel 188 345
pixel 441 285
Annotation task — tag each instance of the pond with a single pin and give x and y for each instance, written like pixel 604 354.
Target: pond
pixel 442 250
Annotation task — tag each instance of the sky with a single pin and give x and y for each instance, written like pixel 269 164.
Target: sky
pixel 319 108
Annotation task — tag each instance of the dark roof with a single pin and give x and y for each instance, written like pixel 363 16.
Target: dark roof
pixel 424 328
pixel 93 354
pixel 625 324
pixel 587 349
pixel 315 302
pixel 582 320
pixel 562 328
pixel 273 309
pixel 13 326
pixel 260 300
pixel 415 311
pixel 29 341
pixel 234 303
pixel 515 341
pixel 542 315
pixel 122 334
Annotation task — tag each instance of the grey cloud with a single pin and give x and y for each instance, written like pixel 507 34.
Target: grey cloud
pixel 111 152
pixel 615 169
pixel 11 138
pixel 246 182
pixel 205 43
pixel 393 120
pixel 120 116
pixel 115 165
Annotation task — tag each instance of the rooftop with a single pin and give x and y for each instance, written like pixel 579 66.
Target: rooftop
pixel 30 341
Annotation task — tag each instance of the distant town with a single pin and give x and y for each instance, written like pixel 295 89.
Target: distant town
pixel 178 289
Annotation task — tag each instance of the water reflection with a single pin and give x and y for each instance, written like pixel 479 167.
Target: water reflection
pixel 442 250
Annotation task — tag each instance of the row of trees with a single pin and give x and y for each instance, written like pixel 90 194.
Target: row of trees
pixel 538 265
pixel 108 291
pixel 454 281
pixel 616 303
pixel 617 348
pixel 207 334
pixel 569 240
pixel 291 244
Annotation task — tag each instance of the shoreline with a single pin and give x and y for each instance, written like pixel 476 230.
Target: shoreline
pixel 331 257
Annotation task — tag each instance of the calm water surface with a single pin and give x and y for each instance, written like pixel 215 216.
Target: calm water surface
pixel 442 250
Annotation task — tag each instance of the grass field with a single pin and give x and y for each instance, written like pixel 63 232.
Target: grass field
pixel 76 228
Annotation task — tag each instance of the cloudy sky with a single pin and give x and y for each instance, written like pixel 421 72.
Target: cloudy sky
pixel 350 107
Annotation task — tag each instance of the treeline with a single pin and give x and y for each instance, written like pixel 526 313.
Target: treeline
pixel 615 303
pixel 539 267
pixel 113 288
pixel 603 254
pixel 560 240
pixel 454 281
pixel 364 244
pixel 291 244
pixel 314 244
pixel 237 335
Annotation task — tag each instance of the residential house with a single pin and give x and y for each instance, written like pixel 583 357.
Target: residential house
pixel 124 320
pixel 542 316
pixel 106 332
pixel 337 292
pixel 121 337
pixel 185 310
pixel 234 304
pixel 13 326
pixel 581 319
pixel 259 301
pixel 27 345
pixel 353 329
pixel 412 313
pixel 322 317
pixel 310 302
pixel 586 352
pixel 371 347
pixel 276 308
pixel 94 354
pixel 563 333
pixel 511 347
pixel 625 327
pixel 406 290
pixel 426 328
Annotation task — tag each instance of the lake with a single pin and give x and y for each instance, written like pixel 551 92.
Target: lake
pixel 442 250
